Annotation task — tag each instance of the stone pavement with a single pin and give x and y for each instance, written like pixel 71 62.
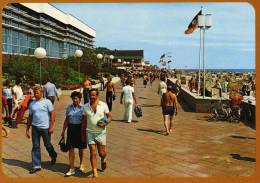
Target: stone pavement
pixel 196 148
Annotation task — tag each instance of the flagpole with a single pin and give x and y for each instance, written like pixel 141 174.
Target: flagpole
pixel 199 60
pixel 203 62
pixel 199 65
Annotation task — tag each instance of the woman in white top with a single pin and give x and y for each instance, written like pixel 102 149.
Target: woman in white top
pixel 129 99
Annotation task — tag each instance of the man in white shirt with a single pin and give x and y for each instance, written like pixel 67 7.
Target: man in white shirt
pixel 96 117
pixel 129 99
pixel 18 96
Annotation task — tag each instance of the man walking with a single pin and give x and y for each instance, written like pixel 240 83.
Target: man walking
pixel 110 94
pixel 169 108
pixel 96 117
pixel 50 91
pixel 41 117
pixel 129 99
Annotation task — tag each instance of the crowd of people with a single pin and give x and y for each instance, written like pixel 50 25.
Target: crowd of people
pixel 85 122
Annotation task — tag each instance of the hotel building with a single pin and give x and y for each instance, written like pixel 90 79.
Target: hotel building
pixel 26 26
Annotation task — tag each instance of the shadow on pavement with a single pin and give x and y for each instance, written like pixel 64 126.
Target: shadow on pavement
pixel 142 97
pixel 58 167
pixel 18 163
pixel 241 137
pixel 238 157
pixel 161 132
pixel 145 105
pixel 123 121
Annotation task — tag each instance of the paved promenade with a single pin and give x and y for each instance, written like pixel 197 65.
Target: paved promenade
pixel 196 148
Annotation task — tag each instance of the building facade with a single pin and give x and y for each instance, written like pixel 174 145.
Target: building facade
pixel 128 59
pixel 26 26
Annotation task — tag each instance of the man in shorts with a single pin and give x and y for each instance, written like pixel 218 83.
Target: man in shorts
pixel 169 109
pixel 96 116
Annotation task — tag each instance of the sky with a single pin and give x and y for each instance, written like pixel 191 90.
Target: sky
pixel 158 28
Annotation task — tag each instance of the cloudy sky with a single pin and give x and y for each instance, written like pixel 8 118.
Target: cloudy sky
pixel 158 28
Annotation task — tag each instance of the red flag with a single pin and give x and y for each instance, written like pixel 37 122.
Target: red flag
pixel 194 24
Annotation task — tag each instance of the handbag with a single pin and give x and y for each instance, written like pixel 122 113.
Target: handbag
pixel 138 111
pixel 62 144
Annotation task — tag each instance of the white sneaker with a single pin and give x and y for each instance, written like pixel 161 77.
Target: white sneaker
pixel 70 172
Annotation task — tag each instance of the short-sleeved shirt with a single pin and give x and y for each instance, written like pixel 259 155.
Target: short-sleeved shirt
pixel 128 93
pixel 7 92
pixel 18 92
pixel 93 118
pixel 50 90
pixel 39 110
pixel 74 114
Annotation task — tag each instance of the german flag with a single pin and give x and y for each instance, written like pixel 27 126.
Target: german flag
pixel 194 24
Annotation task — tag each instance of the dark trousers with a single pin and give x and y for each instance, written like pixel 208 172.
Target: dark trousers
pixel 37 133
pixel 10 109
pixel 109 100
pixel 86 95
pixel 51 98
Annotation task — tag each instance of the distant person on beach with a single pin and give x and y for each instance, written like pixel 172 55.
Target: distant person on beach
pixel 248 88
pixel 218 86
pixel 169 109
pixel 86 87
pixel 41 118
pixel 191 84
pixel 72 123
pixel 96 117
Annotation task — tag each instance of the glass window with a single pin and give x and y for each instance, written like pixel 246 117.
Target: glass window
pixel 4 47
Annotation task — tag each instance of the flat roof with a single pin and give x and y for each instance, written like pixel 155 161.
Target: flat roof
pixel 59 15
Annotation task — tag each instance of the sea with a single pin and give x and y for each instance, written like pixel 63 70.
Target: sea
pixel 225 70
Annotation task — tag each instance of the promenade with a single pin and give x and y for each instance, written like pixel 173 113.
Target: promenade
pixel 196 148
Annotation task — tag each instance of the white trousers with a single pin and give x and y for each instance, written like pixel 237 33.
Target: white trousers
pixel 128 105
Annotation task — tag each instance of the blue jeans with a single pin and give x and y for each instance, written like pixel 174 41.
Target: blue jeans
pixel 37 133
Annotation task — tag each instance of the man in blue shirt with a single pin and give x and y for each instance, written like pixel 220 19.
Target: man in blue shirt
pixel 41 117
pixel 50 91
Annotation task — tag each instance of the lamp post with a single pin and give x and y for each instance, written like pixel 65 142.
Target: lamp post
pixel 204 23
pixel 100 57
pixel 78 54
pixel 40 53
pixel 119 61
pixel 111 57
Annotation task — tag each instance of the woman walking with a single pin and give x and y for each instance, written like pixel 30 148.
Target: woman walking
pixel 73 125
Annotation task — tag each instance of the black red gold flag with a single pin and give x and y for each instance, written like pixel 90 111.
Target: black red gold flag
pixel 194 24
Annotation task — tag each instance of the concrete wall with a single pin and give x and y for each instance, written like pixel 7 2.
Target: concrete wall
pixel 197 103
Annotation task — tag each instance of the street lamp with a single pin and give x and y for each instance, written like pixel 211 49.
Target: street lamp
pixel 111 57
pixel 204 23
pixel 40 53
pixel 99 57
pixel 78 54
